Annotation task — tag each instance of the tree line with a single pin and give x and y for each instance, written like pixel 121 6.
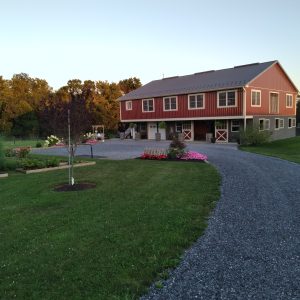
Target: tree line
pixel 29 106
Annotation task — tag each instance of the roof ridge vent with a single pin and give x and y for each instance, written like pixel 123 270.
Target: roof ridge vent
pixel 204 72
pixel 170 77
pixel 247 65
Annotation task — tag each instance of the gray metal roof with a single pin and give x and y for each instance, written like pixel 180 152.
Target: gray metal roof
pixel 235 77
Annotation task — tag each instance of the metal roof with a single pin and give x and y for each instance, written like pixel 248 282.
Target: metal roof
pixel 235 77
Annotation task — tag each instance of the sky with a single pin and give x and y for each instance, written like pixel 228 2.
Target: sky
pixel 111 40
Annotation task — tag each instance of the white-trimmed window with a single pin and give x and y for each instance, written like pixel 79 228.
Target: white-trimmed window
pixel 292 122
pixel 256 98
pixel 274 103
pixel 148 105
pixel 196 101
pixel 178 127
pixel 264 124
pixel 235 125
pixel 279 123
pixel 227 99
pixel 289 100
pixel 128 105
pixel 170 103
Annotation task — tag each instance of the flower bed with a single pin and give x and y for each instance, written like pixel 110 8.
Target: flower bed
pixel 157 154
pixel 193 155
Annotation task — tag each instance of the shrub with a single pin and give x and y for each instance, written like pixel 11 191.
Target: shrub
pixel 32 163
pixel 52 162
pixel 38 145
pixel 176 149
pixel 22 152
pixel 252 136
pixel 10 153
pixel 51 140
pixel 35 163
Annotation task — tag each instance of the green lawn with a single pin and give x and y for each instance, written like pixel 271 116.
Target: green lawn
pixel 107 243
pixel 288 149
pixel 11 143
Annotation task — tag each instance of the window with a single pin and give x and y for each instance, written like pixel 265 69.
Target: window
pixel 274 103
pixel 264 124
pixel 279 123
pixel 255 98
pixel 170 103
pixel 292 122
pixel 148 105
pixel 196 101
pixel 289 100
pixel 276 123
pixel 235 125
pixel 128 105
pixel 226 99
pixel 178 127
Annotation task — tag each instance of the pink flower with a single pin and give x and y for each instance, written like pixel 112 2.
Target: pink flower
pixel 193 155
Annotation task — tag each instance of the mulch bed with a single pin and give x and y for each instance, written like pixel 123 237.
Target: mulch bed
pixel 76 187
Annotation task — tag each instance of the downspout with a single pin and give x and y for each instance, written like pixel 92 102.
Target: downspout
pixel 244 107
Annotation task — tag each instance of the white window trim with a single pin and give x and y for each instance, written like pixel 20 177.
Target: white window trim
pixel 254 105
pixel 231 122
pixel 148 111
pixel 293 120
pixel 164 99
pixel 286 104
pixel 264 122
pixel 270 103
pixel 281 127
pixel 126 105
pixel 236 100
pixel 195 108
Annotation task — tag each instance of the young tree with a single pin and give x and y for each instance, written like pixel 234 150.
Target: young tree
pixel 69 120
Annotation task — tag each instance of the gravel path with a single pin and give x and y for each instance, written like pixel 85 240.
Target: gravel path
pixel 251 247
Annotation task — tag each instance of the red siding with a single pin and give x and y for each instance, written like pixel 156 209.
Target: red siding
pixel 272 80
pixel 210 110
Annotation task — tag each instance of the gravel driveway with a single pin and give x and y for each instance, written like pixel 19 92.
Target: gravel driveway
pixel 251 247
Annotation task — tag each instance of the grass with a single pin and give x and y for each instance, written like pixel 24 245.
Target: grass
pixel 288 149
pixel 11 143
pixel 110 242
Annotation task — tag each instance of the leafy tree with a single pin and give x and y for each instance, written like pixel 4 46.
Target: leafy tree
pixel 26 125
pixel 130 84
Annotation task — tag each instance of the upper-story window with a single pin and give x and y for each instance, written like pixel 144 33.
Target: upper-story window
pixel 128 105
pixel 170 103
pixel 148 105
pixel 289 100
pixel 274 103
pixel 196 101
pixel 227 99
pixel 255 98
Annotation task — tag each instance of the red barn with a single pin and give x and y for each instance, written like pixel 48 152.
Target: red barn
pixel 215 103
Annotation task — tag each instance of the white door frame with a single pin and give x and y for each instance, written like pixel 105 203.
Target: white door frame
pixel 221 133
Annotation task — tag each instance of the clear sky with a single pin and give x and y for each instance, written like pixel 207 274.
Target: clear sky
pixel 58 40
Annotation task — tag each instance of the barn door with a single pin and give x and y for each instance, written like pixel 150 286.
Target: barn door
pixel 187 131
pixel 221 129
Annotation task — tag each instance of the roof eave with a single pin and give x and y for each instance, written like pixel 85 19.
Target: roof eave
pixel 177 94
